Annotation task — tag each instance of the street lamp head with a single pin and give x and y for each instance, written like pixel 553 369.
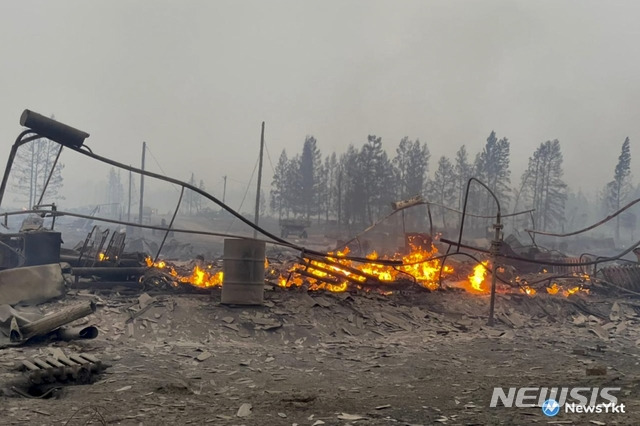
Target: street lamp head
pixel 52 129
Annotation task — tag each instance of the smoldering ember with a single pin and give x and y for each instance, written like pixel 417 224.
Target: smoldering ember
pixel 411 314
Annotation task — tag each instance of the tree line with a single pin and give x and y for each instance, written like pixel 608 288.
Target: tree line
pixel 355 188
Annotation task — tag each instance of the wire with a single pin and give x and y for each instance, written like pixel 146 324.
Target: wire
pixel 464 207
pixel 244 196
pixel 158 164
pixel 542 262
pixel 595 225
pixel 269 157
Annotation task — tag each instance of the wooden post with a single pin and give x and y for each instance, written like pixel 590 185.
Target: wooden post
pixel 144 149
pixel 257 215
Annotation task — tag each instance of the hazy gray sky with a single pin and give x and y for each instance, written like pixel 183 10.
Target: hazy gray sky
pixel 196 78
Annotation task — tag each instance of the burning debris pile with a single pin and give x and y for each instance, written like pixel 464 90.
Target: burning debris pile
pixel 421 267
pixel 173 275
pixel 337 272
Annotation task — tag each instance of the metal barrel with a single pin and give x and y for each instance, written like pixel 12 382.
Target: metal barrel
pixel 243 267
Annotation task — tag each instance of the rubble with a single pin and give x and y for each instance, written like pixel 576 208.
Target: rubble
pixel 31 285
pixel 395 335
pixel 19 327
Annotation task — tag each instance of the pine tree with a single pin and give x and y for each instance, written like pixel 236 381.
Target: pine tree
pixel 351 189
pixel 443 186
pixel 310 163
pixel 411 167
pixel 617 191
pixel 330 172
pixel 293 188
pixel 463 172
pixel 278 185
pixel 543 188
pixel 377 175
pixel 493 169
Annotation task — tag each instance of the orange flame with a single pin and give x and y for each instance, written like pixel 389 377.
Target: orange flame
pixel 558 289
pixel 477 277
pixel 202 278
pixel 419 264
pixel 199 277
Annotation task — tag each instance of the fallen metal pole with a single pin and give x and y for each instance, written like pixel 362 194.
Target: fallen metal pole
pixel 173 218
pixel 51 322
pixel 108 271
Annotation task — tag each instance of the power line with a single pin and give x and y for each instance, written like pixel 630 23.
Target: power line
pixel 269 157
pixel 245 194
pixel 159 166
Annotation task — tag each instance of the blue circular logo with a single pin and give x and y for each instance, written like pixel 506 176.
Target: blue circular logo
pixel 550 408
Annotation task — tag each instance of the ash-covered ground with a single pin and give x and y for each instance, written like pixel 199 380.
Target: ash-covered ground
pixel 410 358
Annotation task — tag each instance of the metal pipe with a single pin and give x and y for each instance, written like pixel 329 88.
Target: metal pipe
pixel 195 189
pixel 495 244
pixel 52 129
pixel 108 271
pixel 175 213
pixel 12 155
pixel 53 169
pixel 121 222
pixel 588 228
pixel 495 252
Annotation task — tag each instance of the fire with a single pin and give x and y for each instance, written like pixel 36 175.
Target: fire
pixel 199 277
pixel 555 289
pixel 477 277
pixel 336 274
pixel 203 278
pixel 150 263
pixel 528 290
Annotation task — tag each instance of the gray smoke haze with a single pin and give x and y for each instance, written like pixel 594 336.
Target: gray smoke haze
pixel 196 78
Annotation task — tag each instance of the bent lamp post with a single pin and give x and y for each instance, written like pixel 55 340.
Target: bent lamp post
pixel 39 126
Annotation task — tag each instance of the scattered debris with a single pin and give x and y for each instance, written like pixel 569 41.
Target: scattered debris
pixel 21 327
pixel 31 285
pixel 244 410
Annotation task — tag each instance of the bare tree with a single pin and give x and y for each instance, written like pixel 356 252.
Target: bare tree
pixel 34 162
pixel 115 193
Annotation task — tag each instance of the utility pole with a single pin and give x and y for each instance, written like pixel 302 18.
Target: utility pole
pixel 129 204
pixel 257 215
pixel 144 149
pixel 224 188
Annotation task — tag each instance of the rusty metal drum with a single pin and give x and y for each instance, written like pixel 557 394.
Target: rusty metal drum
pixel 243 266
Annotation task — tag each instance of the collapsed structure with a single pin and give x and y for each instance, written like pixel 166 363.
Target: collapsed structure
pixel 426 261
